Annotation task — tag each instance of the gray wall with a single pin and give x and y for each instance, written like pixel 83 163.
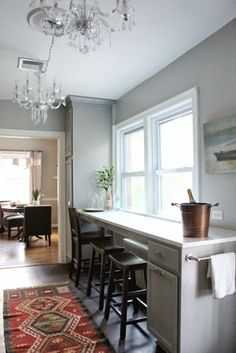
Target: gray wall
pixel 14 117
pixel 92 134
pixel 92 141
pixel 210 66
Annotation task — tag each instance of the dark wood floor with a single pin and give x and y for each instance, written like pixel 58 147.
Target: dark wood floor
pixel 14 253
pixel 137 341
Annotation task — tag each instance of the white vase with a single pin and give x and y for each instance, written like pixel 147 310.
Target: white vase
pixel 108 201
pixel 36 202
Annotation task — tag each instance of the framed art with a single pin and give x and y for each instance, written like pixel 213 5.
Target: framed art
pixel 220 145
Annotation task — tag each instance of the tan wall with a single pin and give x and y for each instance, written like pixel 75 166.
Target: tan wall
pixel 49 165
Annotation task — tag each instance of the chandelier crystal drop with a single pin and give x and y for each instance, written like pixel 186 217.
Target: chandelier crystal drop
pixel 82 21
pixel 38 98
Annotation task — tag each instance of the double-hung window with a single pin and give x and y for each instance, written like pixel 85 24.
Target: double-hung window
pixel 156 157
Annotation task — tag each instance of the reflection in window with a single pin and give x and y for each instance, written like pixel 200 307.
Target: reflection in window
pixel 176 141
pixel 174 161
pixel 134 151
pixel 133 184
pixel 135 193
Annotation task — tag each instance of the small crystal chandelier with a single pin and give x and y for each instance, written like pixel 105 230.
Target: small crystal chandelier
pixel 38 98
pixel 82 21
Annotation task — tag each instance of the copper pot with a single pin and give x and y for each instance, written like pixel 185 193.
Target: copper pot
pixel 195 218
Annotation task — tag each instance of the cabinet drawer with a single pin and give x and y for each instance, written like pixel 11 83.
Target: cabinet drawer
pixel 162 307
pixel 163 255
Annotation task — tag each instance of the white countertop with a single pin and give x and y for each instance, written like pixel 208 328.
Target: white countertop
pixel 158 229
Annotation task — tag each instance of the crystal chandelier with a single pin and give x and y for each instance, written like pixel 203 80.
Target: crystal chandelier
pixel 38 98
pixel 81 20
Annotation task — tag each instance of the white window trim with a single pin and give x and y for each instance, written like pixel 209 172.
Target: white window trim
pixel 146 119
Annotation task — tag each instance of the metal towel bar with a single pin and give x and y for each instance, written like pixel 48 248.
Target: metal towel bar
pixel 190 257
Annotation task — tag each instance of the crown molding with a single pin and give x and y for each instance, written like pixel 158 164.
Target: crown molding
pixel 71 99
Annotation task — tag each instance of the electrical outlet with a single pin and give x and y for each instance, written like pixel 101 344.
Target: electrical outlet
pixel 217 214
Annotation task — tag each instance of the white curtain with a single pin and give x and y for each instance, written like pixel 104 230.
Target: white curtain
pixel 35 170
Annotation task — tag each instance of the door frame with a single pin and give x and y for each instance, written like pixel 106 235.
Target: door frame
pixel 60 137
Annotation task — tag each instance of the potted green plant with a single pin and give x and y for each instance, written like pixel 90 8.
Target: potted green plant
pixel 37 196
pixel 105 178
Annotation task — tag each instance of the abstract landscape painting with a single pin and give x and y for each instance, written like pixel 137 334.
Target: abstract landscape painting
pixel 220 145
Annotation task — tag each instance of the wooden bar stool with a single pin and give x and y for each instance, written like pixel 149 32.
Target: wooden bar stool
pixel 103 248
pixel 128 264
pixel 79 239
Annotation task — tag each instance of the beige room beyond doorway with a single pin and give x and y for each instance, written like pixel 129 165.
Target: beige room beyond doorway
pixel 13 252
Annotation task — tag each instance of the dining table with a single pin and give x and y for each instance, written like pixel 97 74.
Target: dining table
pixel 13 209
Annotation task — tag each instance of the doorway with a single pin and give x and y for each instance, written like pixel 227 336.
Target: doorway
pixel 59 177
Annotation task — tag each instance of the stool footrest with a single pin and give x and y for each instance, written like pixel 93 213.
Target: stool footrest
pixel 116 294
pixel 137 292
pixel 133 321
pixel 96 289
pixel 96 286
pixel 119 303
pixel 130 321
pixel 115 309
pixel 141 302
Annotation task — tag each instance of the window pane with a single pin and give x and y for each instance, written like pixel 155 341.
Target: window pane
pixel 14 180
pixel 134 151
pixel 172 188
pixel 134 193
pixel 176 143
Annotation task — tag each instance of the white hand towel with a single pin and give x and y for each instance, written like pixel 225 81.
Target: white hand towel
pixel 222 274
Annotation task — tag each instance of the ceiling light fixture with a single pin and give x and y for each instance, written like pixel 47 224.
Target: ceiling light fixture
pixel 38 98
pixel 82 21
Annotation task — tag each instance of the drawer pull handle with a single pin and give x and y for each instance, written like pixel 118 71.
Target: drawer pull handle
pixel 161 273
pixel 159 254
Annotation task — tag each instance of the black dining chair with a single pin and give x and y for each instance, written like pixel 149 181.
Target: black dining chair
pixel 37 222
pixel 11 221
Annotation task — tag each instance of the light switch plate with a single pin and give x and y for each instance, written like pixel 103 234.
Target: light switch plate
pixel 217 214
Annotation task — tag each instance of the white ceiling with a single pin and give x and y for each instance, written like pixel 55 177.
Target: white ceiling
pixel 165 29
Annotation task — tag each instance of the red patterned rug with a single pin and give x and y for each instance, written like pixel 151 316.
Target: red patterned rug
pixel 48 320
